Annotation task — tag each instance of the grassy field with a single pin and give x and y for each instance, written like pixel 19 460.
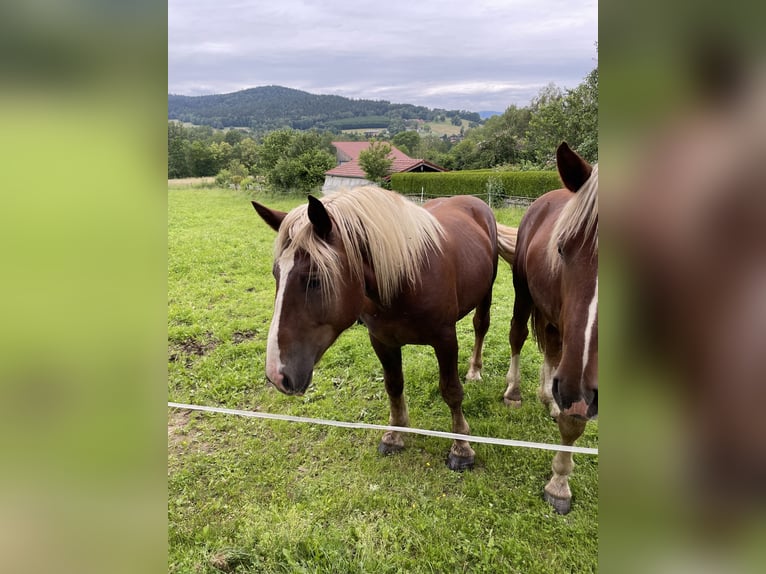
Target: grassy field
pixel 247 495
pixel 446 128
pixel 190 182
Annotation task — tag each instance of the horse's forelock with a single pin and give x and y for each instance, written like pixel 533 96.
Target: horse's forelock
pixel 296 235
pixel 373 224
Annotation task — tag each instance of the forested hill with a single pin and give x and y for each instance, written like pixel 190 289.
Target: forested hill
pixel 272 107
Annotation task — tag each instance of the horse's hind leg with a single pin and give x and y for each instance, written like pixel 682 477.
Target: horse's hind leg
pixel 480 328
pixel 522 308
pixel 461 455
pixel 391 360
pixel 557 490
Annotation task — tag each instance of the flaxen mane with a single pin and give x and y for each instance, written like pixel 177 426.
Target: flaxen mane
pixel 579 215
pixel 374 225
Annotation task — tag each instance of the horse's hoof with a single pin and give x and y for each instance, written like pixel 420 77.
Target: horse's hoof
pixel 459 463
pixel 511 403
pixel 386 449
pixel 560 505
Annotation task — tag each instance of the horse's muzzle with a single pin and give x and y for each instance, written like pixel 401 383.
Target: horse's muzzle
pixel 293 386
pixel 579 408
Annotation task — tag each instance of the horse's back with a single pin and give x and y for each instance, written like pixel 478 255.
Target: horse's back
pixel 461 209
pixel 470 245
pixel 466 220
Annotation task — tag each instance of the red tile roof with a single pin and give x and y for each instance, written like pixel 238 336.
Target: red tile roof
pixel 402 162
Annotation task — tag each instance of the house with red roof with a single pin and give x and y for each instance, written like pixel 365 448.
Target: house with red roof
pixel 348 172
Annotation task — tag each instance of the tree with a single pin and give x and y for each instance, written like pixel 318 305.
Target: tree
pixel 248 153
pixel 408 142
pixel 275 145
pixel 572 117
pixel 223 153
pixel 396 126
pixel 582 112
pixel 293 160
pixel 202 160
pixel 178 151
pixel 375 161
pixel 233 137
pixel 547 126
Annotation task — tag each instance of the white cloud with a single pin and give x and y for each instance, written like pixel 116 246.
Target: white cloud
pixel 433 52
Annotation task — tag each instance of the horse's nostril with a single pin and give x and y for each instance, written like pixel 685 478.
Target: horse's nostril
pixel 555 388
pixel 286 383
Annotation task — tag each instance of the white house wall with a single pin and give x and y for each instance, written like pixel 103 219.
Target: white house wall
pixel 333 183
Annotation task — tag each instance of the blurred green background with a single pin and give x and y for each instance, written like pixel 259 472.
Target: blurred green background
pixel 82 296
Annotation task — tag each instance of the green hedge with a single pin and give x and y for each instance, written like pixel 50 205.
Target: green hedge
pixel 476 182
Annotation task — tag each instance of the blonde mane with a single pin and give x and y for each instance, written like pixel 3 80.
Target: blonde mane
pixel 579 215
pixel 375 225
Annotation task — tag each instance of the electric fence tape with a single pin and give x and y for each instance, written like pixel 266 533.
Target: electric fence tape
pixel 440 434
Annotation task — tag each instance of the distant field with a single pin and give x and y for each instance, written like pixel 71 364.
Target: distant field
pixel 437 128
pixel 446 128
pixel 190 182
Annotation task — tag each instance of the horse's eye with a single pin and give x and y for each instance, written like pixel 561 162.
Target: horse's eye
pixel 560 250
pixel 313 283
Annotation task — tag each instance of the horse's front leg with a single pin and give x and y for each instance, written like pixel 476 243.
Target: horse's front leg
pixel 461 455
pixel 391 360
pixel 522 308
pixel 552 358
pixel 557 490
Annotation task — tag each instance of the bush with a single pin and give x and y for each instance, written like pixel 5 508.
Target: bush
pixel 531 184
pixel 223 178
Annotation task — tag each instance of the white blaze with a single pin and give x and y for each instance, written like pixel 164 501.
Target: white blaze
pixel 589 326
pixel 274 362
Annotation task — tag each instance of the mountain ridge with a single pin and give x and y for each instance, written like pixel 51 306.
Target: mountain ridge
pixel 272 107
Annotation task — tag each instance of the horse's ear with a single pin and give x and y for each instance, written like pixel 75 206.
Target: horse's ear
pixel 271 216
pixel 319 218
pixel 573 170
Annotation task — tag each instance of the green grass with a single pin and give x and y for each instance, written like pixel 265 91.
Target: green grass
pixel 247 495
pixel 447 128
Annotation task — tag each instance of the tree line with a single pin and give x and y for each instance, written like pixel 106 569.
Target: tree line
pixel 522 138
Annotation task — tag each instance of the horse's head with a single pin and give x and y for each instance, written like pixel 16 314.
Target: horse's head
pixel 317 296
pixel 573 252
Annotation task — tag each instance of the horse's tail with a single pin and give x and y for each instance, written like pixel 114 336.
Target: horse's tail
pixel 506 242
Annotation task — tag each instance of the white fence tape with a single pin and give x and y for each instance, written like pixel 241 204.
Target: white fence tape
pixel 440 434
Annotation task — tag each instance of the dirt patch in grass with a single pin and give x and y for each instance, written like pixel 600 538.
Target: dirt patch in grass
pixel 229 561
pixel 190 347
pixel 183 436
pixel 241 336
pixel 178 428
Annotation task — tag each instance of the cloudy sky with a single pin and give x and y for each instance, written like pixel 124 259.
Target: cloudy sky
pixel 455 54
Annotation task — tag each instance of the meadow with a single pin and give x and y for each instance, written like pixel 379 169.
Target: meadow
pixel 249 495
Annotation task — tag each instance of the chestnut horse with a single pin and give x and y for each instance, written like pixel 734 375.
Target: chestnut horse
pixel 409 273
pixel 555 276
